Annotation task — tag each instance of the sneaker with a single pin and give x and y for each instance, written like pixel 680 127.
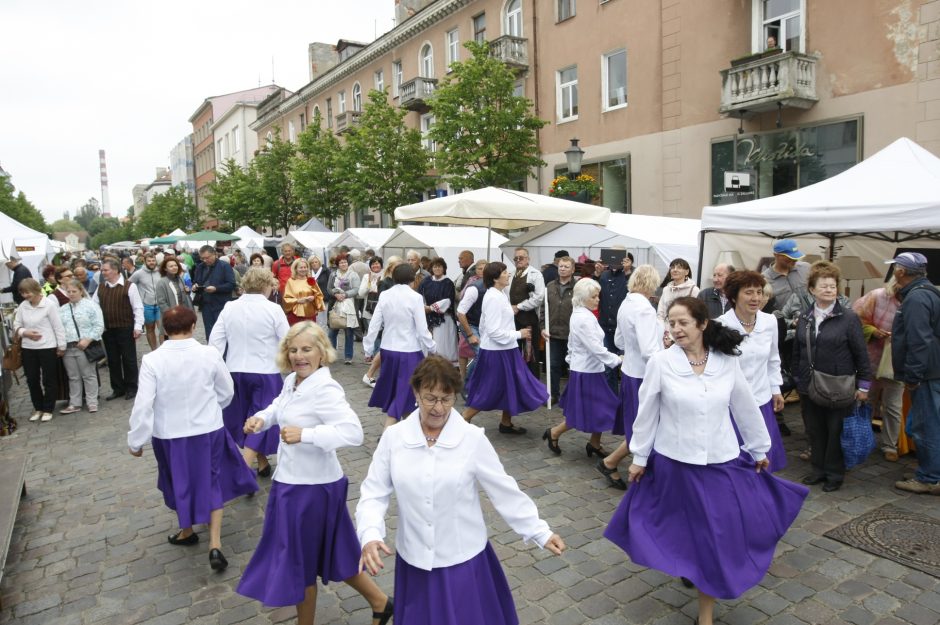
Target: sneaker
pixel 891 456
pixel 35 416
pixel 46 416
pixel 92 408
pixel 70 410
pixel 915 486
pixel 347 362
pixel 370 382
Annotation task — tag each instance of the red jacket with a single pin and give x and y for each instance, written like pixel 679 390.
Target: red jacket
pixel 281 271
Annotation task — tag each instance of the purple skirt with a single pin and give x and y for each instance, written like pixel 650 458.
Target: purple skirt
pixel 253 393
pixel 588 403
pixel 716 524
pixel 629 405
pixel 474 592
pixel 307 534
pixel 502 381
pixel 392 392
pixel 198 474
pixel 777 454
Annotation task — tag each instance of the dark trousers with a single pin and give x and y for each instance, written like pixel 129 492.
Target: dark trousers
pixel 210 314
pixel 42 377
pixel 530 320
pixel 824 430
pixel 121 349
pixel 559 349
pixel 613 375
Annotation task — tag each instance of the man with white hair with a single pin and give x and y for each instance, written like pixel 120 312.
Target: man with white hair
pixel 714 297
pixel 413 258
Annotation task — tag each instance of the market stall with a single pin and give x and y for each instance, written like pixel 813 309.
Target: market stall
pixel 363 239
pixel 445 242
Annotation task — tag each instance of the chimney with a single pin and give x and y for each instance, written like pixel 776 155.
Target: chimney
pixel 322 56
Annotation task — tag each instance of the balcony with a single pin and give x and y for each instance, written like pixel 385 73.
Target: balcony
pixel 414 94
pixel 765 83
pixel 345 121
pixel 513 51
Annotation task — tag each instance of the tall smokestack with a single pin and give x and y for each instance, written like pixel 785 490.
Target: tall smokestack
pixel 105 199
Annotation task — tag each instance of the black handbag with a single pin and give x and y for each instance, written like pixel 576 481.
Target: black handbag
pixel 826 389
pixel 94 351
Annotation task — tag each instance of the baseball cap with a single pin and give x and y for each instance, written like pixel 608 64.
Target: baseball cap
pixel 909 260
pixel 788 248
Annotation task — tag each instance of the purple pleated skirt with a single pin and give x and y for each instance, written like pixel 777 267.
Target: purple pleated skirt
pixel 474 592
pixel 392 392
pixel 588 403
pixel 198 474
pixel 629 405
pixel 253 393
pixel 307 534
pixel 777 454
pixel 715 524
pixel 502 381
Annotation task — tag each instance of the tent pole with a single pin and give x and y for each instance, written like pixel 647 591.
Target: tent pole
pixel 701 255
pixel 548 355
pixel 832 246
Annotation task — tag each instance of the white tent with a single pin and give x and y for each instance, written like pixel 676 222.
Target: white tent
pixel 32 246
pixel 177 233
pixel 445 242
pixel 651 239
pixel 250 241
pixel 890 200
pixel 313 242
pixel 363 238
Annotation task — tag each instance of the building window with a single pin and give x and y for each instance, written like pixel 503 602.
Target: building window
pixel 514 18
pixel 426 61
pixel 225 143
pixel 291 131
pixel 357 97
pixel 219 149
pixel 269 138
pixel 781 20
pixel 303 121
pixel 329 113
pixel 614 179
pixel 518 89
pixel 341 102
pixel 566 9
pixel 479 28
pixel 396 78
pixel 427 121
pixel 236 139
pixel 567 93
pixel 380 81
pixel 615 79
pixel 453 47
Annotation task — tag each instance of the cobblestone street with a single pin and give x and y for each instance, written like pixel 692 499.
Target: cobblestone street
pixel 89 545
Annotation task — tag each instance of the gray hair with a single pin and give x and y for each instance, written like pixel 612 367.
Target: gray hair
pixel 584 289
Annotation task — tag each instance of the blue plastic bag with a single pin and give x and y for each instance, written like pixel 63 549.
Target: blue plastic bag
pixel 858 439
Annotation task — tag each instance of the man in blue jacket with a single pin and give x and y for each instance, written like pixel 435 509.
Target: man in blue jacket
pixel 216 281
pixel 915 352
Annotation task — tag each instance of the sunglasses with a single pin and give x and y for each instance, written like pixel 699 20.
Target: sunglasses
pixel 520 258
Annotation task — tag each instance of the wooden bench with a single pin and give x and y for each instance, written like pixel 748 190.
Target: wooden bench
pixel 11 490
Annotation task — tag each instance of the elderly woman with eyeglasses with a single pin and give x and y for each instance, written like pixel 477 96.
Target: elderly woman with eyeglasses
pixel 446 571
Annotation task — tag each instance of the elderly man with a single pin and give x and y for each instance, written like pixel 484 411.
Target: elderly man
pixel 18 273
pixel 215 281
pixel 413 258
pixel 467 269
pixel 788 274
pixel 90 284
pixel 123 312
pixel 559 294
pixel 281 267
pixel 915 353
pixel 526 293
pixel 714 297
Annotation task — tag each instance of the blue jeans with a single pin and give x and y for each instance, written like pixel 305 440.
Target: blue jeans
pixel 475 347
pixel 924 428
pixel 334 333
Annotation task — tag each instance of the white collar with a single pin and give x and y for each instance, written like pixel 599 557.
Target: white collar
pixel 453 432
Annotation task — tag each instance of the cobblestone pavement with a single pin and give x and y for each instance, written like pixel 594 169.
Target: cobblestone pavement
pixel 90 546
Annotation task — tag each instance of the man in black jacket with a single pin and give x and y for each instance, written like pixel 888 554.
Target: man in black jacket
pixel 18 273
pixel 714 296
pixel 216 281
pixel 613 291
pixel 915 354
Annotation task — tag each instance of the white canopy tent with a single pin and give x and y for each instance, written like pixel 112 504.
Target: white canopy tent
pixel 250 242
pixel 363 239
pixel 32 246
pixel 651 239
pixel 314 242
pixel 445 242
pixel 177 233
pixel 889 201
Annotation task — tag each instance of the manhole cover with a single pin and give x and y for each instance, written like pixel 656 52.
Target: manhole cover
pixel 905 537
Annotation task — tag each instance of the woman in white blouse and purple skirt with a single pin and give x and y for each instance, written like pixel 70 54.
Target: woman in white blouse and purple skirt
pixel 446 571
pixel 699 509
pixel 198 465
pixel 308 532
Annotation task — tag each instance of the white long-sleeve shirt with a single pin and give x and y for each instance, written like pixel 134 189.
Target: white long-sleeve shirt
pixel 252 328
pixel 137 304
pixel 760 357
pixel 400 315
pixel 317 405
pixel 43 317
pixel 182 388
pixel 497 323
pixel 685 417
pixel 440 522
pixel 639 334
pixel 534 299
pixel 586 351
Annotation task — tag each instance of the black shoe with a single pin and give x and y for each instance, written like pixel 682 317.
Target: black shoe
pixel 829 487
pixel 552 442
pixel 812 480
pixel 616 483
pixel 265 472
pixel 687 582
pixel 130 395
pixel 175 539
pixel 216 560
pixel 114 395
pixel 511 429
pixel 591 450
pixel 784 429
pixel 385 615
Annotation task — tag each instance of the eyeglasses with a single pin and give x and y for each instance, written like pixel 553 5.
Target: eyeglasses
pixel 520 258
pixel 445 402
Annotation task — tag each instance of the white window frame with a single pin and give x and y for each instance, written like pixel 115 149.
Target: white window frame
pixel 357 97
pixel 758 25
pixel 236 139
pixel 291 131
pixel 512 18
pixel 397 76
pixel 218 149
pixel 427 121
pixel 605 77
pixel 560 4
pixel 560 87
pixel 452 46
pixel 341 102
pixel 380 80
pixel 426 61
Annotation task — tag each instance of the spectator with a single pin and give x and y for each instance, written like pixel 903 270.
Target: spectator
pixel 679 284
pixel 322 275
pixel 614 289
pixel 123 312
pixel 62 273
pixel 302 299
pixel 526 293
pixel 788 274
pixel 714 296
pixel 88 282
pixel 414 259
pixel 146 279
pixel 38 324
pixel 83 324
pixel 281 268
pixel 18 273
pixel 369 294
pixel 215 281
pixel 467 269
pixel 341 291
pixel 128 267
pixel 551 271
pixel 48 280
pixel 439 295
pixel 171 288
pixel 559 293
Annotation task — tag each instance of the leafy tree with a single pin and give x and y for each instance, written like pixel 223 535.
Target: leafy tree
pixel 90 211
pixel 279 206
pixel 100 224
pixel 123 232
pixel 167 211
pixel 233 195
pixel 19 208
pixel 65 225
pixel 485 135
pixel 318 171
pixel 385 162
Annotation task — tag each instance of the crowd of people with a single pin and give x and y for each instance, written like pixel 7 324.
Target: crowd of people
pixel 694 380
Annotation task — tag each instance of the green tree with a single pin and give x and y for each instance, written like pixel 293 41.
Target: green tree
pixel 65 225
pixel 100 224
pixel 15 205
pixel 123 232
pixel 90 211
pixel 318 171
pixel 233 195
pixel 485 135
pixel 278 205
pixel 166 212
pixel 386 165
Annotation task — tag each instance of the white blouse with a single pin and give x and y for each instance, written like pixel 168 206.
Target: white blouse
pixel 318 405
pixel 586 351
pixel 497 323
pixel 685 417
pixel 760 356
pixel 440 522
pixel 251 327
pixel 182 388
pixel 43 317
pixel 399 314
pixel 639 334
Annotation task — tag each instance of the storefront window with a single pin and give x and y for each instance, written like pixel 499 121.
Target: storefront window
pixel 614 179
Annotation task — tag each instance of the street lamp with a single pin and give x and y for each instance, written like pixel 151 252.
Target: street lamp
pixel 574 155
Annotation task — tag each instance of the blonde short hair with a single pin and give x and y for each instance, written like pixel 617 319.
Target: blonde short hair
pixel 256 278
pixel 584 289
pixel 644 279
pixel 390 263
pixel 294 265
pixel 320 341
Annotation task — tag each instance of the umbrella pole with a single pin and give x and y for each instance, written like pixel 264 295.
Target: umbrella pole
pixel 548 356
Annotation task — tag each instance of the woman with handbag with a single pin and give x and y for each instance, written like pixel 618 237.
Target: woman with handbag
pixel 832 373
pixel 171 289
pixel 369 291
pixel 302 297
pixel 83 324
pixel 38 326
pixel 343 288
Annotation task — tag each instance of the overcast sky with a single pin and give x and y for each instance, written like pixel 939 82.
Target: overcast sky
pixel 126 75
